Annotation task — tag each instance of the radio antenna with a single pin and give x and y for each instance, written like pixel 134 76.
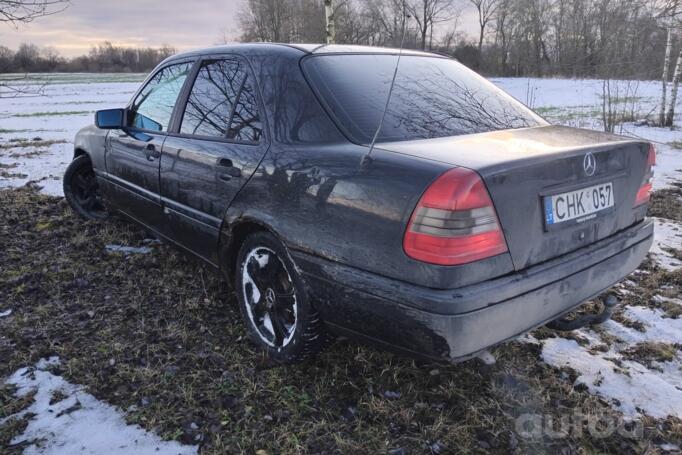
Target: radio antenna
pixel 367 157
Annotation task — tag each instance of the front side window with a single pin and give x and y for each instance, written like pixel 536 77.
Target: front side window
pixel 154 105
pixel 222 103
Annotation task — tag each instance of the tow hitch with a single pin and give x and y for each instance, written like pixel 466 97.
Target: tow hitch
pixel 565 325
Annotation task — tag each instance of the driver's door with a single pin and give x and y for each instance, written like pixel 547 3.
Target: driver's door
pixel 133 154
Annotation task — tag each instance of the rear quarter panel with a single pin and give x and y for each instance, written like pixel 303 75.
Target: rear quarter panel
pixel 320 201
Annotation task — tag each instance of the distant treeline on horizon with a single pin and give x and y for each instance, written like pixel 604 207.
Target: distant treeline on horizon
pixel 103 58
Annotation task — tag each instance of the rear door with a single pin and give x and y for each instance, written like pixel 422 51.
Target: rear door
pixel 215 147
pixel 132 156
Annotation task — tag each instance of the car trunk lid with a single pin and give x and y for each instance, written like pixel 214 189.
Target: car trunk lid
pixel 523 167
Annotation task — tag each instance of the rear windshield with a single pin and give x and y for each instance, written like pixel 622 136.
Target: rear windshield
pixel 432 97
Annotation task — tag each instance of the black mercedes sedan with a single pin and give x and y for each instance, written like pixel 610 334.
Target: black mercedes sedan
pixel 393 197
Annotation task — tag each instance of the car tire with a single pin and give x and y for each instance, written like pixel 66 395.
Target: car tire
pixel 274 302
pixel 82 191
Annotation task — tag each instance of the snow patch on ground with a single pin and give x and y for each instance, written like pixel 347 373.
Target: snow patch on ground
pixel 657 327
pixel 667 236
pixel 79 424
pixel 4 314
pixel 632 387
pixel 65 105
pixel 42 165
pixel 128 249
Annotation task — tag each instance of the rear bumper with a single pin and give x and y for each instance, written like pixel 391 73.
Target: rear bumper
pixel 456 324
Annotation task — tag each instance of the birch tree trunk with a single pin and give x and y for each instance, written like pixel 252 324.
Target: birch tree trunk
pixel 329 21
pixel 673 92
pixel 664 79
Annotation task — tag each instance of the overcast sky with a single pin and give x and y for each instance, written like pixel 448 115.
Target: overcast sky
pixel 183 24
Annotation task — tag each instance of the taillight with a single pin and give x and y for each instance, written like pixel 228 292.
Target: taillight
pixel 644 192
pixel 454 222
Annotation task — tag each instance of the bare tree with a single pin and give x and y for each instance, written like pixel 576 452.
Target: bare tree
pixel 330 25
pixel 387 19
pixel 427 13
pixel 263 20
pixel 618 95
pixel 16 12
pixel 26 57
pixel 669 10
pixel 282 21
pixel 451 36
pixel 673 92
pixel 666 69
pixel 486 10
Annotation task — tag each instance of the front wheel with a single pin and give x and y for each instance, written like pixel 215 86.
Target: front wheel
pixel 274 302
pixel 82 191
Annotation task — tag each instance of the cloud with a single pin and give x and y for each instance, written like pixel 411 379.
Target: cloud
pixel 179 23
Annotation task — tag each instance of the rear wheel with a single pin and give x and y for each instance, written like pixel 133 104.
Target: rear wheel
pixel 274 302
pixel 82 191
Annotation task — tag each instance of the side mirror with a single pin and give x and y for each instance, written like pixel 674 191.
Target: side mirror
pixel 110 119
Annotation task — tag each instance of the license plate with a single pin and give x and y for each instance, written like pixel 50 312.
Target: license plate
pixel 580 205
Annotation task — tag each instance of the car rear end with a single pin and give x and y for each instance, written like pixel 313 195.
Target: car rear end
pixel 556 190
pixel 566 206
pixel 571 219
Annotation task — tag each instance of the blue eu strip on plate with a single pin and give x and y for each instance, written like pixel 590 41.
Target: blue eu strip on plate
pixel 549 214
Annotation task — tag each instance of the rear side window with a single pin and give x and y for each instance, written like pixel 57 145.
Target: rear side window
pixel 223 103
pixel 246 125
pixel 432 97
pixel 154 105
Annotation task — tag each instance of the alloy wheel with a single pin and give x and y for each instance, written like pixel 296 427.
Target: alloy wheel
pixel 270 297
pixel 86 193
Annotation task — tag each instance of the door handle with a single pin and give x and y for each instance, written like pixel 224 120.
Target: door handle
pixel 230 169
pixel 151 152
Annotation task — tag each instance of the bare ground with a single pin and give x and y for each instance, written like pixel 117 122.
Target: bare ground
pixel 161 337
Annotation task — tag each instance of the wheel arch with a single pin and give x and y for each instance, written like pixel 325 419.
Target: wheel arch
pixel 79 151
pixel 232 237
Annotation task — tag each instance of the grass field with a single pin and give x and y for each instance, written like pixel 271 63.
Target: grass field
pixel 155 341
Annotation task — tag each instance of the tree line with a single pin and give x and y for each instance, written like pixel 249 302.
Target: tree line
pixel 105 57
pixel 570 38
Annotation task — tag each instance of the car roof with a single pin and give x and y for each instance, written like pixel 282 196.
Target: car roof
pixel 286 48
pixel 355 49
